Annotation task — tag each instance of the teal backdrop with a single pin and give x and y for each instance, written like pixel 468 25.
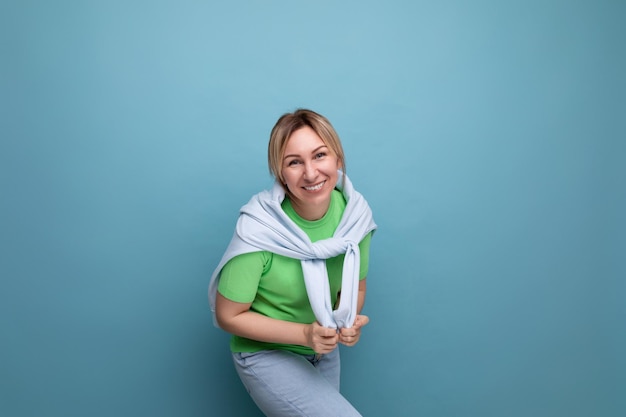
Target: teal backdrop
pixel 488 136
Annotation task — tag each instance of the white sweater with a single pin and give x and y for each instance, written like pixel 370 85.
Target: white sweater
pixel 264 226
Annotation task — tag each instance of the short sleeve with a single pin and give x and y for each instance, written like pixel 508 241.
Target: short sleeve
pixel 239 278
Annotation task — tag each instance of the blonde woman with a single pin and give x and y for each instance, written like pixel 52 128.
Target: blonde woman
pixel 292 282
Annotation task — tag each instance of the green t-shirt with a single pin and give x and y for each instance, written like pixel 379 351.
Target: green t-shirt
pixel 274 284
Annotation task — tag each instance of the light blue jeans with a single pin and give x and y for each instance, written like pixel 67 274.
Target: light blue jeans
pixel 286 384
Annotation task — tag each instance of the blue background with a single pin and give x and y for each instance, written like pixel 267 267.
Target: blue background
pixel 488 137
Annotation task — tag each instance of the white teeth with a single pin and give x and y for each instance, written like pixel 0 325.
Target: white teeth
pixel 315 187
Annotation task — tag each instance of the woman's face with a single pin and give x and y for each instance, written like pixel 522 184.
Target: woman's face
pixel 310 173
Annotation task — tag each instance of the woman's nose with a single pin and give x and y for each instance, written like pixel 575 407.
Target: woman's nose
pixel 309 171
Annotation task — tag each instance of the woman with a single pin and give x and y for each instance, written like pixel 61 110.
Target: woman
pixel 291 284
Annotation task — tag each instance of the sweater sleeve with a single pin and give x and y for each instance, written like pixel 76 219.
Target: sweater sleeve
pixel 364 249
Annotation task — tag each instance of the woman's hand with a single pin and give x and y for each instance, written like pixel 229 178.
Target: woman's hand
pixel 350 336
pixel 321 339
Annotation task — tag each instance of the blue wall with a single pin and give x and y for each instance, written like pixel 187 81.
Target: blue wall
pixel 489 138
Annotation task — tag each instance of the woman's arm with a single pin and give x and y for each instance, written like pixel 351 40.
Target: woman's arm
pixel 236 318
pixel 361 300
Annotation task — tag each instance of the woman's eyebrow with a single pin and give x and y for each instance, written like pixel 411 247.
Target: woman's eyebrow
pixel 312 152
pixel 318 148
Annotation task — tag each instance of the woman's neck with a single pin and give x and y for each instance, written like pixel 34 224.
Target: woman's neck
pixel 308 211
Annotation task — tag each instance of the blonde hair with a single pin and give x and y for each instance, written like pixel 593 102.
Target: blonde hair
pixel 287 124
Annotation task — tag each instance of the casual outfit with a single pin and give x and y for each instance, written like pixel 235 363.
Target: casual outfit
pixel 292 269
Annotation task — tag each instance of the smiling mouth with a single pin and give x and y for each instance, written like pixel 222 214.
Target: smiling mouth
pixel 315 187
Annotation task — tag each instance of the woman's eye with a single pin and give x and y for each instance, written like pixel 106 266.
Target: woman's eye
pixel 320 155
pixel 293 162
